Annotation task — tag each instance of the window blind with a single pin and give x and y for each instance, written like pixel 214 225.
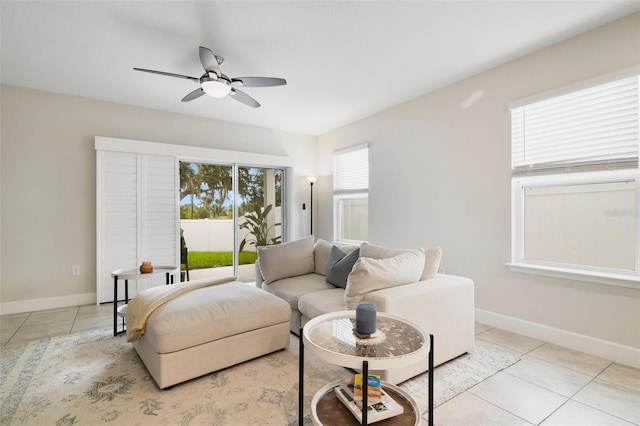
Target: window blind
pixel 592 127
pixel 351 170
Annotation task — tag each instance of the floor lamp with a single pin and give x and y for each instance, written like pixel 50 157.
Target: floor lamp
pixel 311 180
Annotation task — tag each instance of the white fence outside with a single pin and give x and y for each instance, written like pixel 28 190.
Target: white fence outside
pixel 217 234
pixel 209 234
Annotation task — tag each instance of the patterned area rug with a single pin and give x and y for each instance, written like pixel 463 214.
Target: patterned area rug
pixel 93 378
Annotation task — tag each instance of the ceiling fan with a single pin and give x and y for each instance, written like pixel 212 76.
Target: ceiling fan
pixel 216 84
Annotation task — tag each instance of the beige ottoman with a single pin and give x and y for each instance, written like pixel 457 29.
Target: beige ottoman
pixel 212 328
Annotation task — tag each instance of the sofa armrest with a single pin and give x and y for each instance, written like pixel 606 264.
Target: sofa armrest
pixel 442 305
pixel 259 277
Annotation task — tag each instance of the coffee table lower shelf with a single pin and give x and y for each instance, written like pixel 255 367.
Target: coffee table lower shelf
pixel 327 410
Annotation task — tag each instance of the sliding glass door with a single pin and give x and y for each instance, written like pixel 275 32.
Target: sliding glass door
pixel 226 211
pixel 259 214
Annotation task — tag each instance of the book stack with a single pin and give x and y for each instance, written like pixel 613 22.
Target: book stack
pixel 380 405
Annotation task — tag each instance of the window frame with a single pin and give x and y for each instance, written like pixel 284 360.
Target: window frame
pixel 338 200
pixel 351 190
pixel 601 275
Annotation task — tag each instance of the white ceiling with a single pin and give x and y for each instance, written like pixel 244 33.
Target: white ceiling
pixel 343 60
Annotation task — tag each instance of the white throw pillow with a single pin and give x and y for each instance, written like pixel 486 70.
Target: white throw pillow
pixel 379 252
pixel 431 261
pixel 432 257
pixel 370 274
pixel 286 260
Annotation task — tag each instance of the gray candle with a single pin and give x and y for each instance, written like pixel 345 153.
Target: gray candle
pixel 366 318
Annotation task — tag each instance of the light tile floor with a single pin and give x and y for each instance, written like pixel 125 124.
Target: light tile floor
pixel 550 386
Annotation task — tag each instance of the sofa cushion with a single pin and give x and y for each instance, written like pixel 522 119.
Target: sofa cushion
pixel 291 289
pixel 321 302
pixel 286 260
pixel 431 261
pixel 339 266
pixel 321 254
pixel 370 274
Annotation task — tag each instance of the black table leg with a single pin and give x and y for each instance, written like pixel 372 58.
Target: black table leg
pixel 365 391
pixel 431 380
pixel 115 305
pixel 301 382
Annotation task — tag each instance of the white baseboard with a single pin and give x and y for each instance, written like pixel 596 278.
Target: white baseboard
pixel 47 303
pixel 609 350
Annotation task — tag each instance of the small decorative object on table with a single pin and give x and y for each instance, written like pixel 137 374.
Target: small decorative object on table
pixel 380 405
pixel 365 319
pixel 146 267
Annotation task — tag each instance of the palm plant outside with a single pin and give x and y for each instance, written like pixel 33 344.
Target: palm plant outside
pixel 258 226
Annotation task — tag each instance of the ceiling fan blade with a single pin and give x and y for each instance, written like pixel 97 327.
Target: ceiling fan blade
pixel 244 98
pixel 170 74
pixel 259 81
pixel 193 95
pixel 209 61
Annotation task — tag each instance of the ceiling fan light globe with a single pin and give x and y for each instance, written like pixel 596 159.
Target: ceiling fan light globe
pixel 216 88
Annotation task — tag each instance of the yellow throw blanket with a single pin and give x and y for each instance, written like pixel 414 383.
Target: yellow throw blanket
pixel 147 301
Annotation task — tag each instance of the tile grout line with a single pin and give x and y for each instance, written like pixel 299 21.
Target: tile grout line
pixel 570 368
pixel 491 403
pixel 571 398
pixel 518 351
pixel 504 371
pixel 75 317
pixel 567 399
pixel 18 329
pixel 597 376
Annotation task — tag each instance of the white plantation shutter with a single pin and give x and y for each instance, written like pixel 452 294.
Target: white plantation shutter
pixel 118 220
pixel 593 127
pixel 137 218
pixel 160 216
pixel 351 170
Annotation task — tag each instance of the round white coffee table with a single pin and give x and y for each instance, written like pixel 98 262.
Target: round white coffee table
pixel 330 337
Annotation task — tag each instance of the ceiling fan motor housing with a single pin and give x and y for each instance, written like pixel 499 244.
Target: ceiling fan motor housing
pixel 217 87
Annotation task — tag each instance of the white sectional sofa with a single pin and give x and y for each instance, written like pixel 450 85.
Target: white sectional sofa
pixel 400 282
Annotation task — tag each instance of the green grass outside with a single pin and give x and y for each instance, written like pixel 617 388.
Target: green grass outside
pixel 214 259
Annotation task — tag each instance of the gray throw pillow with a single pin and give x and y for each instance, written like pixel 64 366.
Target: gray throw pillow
pixel 339 266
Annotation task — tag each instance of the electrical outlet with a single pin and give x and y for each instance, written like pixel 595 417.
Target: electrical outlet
pixel 75 270
pixel 441 270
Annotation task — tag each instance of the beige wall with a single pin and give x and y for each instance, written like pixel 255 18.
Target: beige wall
pixel 49 175
pixel 440 175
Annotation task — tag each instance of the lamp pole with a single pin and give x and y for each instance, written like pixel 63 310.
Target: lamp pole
pixel 311 183
pixel 311 180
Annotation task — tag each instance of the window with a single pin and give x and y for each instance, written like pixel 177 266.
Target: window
pixel 575 184
pixel 351 194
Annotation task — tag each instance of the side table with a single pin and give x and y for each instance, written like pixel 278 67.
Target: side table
pixel 330 337
pixel 134 274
